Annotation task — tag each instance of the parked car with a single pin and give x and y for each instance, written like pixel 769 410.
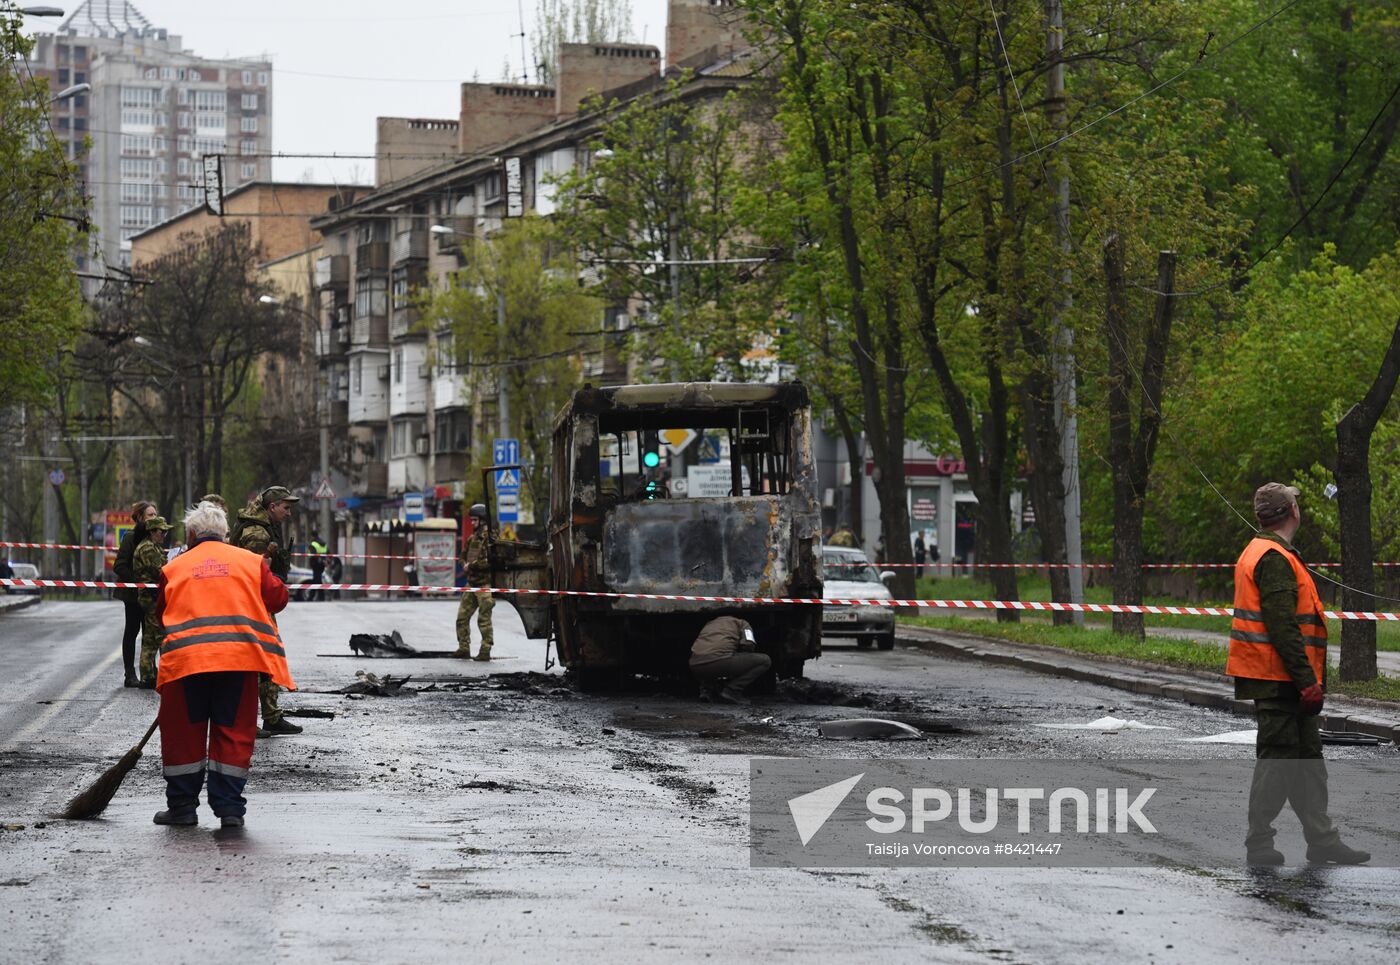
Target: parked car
pixel 848 575
pixel 23 571
pixel 297 575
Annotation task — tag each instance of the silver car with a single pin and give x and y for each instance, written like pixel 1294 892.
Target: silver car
pixel 848 575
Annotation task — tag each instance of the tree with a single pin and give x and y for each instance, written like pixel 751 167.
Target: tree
pixel 516 311
pixel 575 22
pixel 655 212
pixel 41 229
pixel 200 331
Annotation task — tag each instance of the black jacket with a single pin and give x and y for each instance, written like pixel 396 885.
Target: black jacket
pixel 123 566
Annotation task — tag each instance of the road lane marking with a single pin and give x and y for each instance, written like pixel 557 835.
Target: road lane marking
pixel 61 701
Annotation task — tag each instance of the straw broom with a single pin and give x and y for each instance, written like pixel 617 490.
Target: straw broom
pixel 93 801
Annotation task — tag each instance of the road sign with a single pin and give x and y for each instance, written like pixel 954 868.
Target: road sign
pixel 508 507
pixel 677 439
pixel 325 490
pixel 711 481
pixel 413 507
pixel 505 452
pixel 507 480
pixel 57 477
pixel 709 450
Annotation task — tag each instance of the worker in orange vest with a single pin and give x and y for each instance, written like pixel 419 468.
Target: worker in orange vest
pixel 216 603
pixel 1278 657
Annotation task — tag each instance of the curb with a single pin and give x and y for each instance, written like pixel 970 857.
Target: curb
pixel 28 600
pixel 1136 678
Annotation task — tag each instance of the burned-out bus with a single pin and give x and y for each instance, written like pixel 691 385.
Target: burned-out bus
pixel 622 522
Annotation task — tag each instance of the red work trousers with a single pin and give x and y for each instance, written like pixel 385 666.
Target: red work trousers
pixel 208 721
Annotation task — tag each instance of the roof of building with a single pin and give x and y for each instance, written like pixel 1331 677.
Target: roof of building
pixel 105 18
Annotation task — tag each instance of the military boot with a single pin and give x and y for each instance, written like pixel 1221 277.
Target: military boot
pixel 483 654
pixel 1264 858
pixel 183 819
pixel 281 726
pixel 1337 854
pixel 463 652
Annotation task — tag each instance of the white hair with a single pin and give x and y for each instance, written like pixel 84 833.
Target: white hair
pixel 205 520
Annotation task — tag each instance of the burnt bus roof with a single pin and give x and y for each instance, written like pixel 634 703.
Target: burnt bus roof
pixel 694 396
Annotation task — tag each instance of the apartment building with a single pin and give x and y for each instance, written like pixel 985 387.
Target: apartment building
pixel 155 111
pixel 409 419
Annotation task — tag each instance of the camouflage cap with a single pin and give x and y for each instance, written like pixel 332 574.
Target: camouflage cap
pixel 1272 501
pixel 273 494
pixel 214 498
pixel 158 522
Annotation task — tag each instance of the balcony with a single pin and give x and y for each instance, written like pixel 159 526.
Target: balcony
pixel 332 344
pixel 333 271
pixel 372 258
pixel 449 467
pixel 370 330
pixel 405 323
pixel 410 246
pixel 370 479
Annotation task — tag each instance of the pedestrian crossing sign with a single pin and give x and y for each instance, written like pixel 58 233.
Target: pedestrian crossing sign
pixel 325 490
pixel 507 479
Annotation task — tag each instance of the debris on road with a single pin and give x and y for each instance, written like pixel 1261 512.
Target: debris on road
pixel 380 645
pixel 1229 737
pixel 368 684
pixel 868 729
pixel 310 712
pixel 1108 725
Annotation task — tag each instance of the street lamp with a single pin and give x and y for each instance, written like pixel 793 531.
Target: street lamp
pixel 41 11
pixel 68 92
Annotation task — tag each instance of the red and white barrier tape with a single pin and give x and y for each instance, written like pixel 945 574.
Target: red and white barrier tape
pixel 931 566
pixel 1027 605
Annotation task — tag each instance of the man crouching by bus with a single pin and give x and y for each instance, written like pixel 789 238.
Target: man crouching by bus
pixel 216 602
pixel 726 653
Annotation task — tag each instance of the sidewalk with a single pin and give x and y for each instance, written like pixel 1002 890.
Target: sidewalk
pixel 1206 690
pixel 18 601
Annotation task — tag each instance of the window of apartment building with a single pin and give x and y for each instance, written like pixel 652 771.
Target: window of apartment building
pixel 182 166
pixel 167 73
pixel 247 148
pixel 371 298
pixel 63 123
pixel 398 366
pixel 210 100
pixel 195 76
pixel 160 191
pixel 377 444
pixel 79 77
pixel 79 102
pixel 247 78
pixel 491 187
pixel 162 119
pixel 184 144
pixel 183 97
pixel 209 123
pixel 162 212
pixel 80 123
pixel 356 373
pixel 138 97
pixel 249 125
pixel 184 191
pixel 250 102
pixel 182 120
pixel 80 54
pixel 135 118
pixel 162 168
pixel 367 232
pixel 136 193
pixel 404 433
pixel 138 144
pixel 179 73
pixel 63 76
pixel 454 432
pixel 401 295
pixel 262 78
pixel 210 145
pixel 135 169
pixel 248 171
pixel 135 216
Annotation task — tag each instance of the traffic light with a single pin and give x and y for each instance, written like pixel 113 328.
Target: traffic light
pixel 651 449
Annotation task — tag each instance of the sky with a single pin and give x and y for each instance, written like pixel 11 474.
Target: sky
pixel 407 60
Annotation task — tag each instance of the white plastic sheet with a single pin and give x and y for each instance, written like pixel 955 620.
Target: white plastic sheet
pixel 1108 724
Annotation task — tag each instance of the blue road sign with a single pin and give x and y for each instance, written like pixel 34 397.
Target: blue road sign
pixel 507 480
pixel 709 449
pixel 506 451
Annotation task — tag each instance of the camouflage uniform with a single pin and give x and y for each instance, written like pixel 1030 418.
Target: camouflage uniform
pixel 842 537
pixel 146 565
pixel 255 531
pixel 478 574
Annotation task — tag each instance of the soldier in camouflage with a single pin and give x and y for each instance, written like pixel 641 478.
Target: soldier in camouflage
pixel 478 574
pixel 259 530
pixel 145 566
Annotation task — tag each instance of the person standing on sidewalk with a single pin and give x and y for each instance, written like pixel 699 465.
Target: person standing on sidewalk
pixel 478 568
pixel 1278 657
pixel 123 570
pixel 216 602
pixel 259 530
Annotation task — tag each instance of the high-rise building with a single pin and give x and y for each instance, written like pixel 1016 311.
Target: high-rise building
pixel 154 113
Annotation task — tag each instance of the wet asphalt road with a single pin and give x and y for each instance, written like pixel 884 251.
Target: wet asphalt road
pixel 540 824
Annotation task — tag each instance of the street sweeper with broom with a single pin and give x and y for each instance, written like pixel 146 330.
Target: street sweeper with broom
pixel 216 603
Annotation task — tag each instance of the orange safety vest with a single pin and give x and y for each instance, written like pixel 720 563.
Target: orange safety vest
pixel 215 619
pixel 1251 653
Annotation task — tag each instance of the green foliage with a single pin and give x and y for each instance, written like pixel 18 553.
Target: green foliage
pixel 1263 400
pixel 652 207
pixel 40 212
pixel 515 313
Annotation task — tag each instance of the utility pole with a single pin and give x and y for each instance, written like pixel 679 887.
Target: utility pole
pixel 1066 402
